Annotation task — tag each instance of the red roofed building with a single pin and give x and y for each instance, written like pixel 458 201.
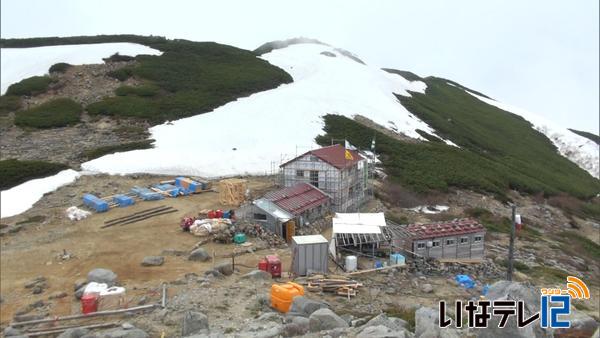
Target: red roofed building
pixel 340 173
pixel 459 238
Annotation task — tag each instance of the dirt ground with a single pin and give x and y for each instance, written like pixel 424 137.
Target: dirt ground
pixel 33 251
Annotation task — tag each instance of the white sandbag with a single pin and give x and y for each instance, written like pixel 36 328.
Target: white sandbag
pixel 76 214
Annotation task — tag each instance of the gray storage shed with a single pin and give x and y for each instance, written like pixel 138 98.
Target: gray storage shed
pixel 309 254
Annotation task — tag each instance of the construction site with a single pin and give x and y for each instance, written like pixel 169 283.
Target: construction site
pixel 166 256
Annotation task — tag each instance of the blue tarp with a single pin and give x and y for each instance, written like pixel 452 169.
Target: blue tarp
pixel 95 203
pixel 123 200
pixel 465 281
pixel 170 189
pixel 189 186
pixel 147 194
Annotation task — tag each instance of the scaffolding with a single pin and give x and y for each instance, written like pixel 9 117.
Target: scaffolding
pixel 349 187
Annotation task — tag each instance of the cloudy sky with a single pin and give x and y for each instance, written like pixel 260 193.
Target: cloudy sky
pixel 540 55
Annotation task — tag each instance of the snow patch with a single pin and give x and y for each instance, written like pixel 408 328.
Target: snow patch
pixel 22 197
pixel 253 135
pixel 430 209
pixel 580 150
pixel 20 63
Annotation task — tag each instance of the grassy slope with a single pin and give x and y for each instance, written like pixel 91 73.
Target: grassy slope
pixel 190 77
pixel 14 172
pixel 587 135
pixel 52 114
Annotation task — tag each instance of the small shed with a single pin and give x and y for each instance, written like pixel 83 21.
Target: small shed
pixel 309 254
pixel 358 231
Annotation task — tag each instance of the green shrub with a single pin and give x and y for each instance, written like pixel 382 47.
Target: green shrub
pixel 146 90
pixel 60 67
pixel 79 40
pixel 105 150
pixel 56 113
pixel 14 172
pixel 124 106
pixel 31 86
pixel 118 58
pixel 121 74
pixel 9 103
pixel 579 245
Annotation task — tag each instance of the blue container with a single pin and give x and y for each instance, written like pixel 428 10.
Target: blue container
pixel 91 201
pixel 170 189
pixel 226 214
pixel 147 194
pixel 123 200
pixel 378 264
pixel 396 259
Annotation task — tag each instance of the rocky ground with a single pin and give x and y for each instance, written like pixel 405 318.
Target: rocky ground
pixel 84 84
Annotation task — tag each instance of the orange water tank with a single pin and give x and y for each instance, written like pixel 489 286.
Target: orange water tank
pixel 283 294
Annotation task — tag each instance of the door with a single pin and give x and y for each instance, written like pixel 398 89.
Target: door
pixel 289 230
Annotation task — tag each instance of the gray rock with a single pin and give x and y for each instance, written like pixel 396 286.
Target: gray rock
pixel 306 306
pixel 427 325
pixel 296 326
pixel 199 255
pixel 153 261
pixel 395 324
pixel 11 331
pixel 79 292
pixel 121 333
pixel 127 326
pixel 57 295
pixel 257 275
pixel 380 331
pixel 79 283
pixel 427 288
pixel 193 322
pixel 213 273
pixel 271 332
pixel 173 252
pixel 225 268
pixel 36 290
pixel 102 276
pixel 36 281
pixel 270 317
pixel 74 333
pixel 325 319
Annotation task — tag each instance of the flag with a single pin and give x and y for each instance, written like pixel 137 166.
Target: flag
pixel 347 152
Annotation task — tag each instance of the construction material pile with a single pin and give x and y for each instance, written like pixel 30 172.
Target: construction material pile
pixel 232 191
pixel 256 230
pixel 340 285
pixel 139 216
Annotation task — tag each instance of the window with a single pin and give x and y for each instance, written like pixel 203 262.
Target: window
pixel 436 244
pixel 464 240
pixel 477 238
pixel 260 217
pixel 313 158
pixel 420 245
pixel 300 173
pixel 450 241
pixel 314 178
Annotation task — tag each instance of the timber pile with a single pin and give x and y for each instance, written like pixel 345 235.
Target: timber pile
pixel 139 216
pixel 232 191
pixel 340 285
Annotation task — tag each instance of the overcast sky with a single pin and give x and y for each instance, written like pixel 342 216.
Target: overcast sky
pixel 539 55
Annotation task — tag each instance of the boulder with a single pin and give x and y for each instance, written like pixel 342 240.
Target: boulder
pixel 122 333
pixel 325 319
pixel 102 276
pixel 395 324
pixel 153 261
pixel 79 283
pixel 57 295
pixel 270 317
pixel 79 292
pixel 296 326
pixel 381 331
pixel 224 268
pixel 193 323
pixel 582 325
pixel 257 275
pixel 514 290
pixel 39 280
pixel 306 306
pixel 74 333
pixel 199 255
pixel 427 288
pixel 427 325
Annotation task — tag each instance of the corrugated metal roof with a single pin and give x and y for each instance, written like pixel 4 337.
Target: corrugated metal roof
pixel 309 239
pixel 298 198
pixel 445 229
pixel 334 155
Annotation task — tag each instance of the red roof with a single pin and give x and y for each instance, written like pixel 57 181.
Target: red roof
pixel 334 155
pixel 298 198
pixel 445 229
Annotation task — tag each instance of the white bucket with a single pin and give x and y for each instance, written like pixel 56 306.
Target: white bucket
pixel 351 263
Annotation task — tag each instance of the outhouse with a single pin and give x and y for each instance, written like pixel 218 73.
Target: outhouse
pixel 309 254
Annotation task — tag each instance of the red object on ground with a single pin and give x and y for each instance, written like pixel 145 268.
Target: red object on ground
pixel 273 265
pixel 219 213
pixel 212 214
pixel 262 265
pixel 89 303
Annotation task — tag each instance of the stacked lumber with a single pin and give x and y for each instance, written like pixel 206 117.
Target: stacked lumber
pixel 139 216
pixel 340 285
pixel 232 191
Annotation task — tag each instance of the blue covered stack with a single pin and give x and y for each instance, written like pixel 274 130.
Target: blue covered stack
pixel 95 203
pixel 123 200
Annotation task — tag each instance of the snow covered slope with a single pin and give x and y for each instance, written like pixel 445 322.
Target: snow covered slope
pixel 20 63
pixel 254 134
pixel 580 150
pixel 22 197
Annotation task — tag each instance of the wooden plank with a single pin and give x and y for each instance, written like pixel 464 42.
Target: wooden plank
pixel 377 269
pixel 149 216
pixel 128 218
pixel 136 213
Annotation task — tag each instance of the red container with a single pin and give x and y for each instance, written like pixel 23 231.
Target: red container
pixel 262 265
pixel 273 266
pixel 219 213
pixel 212 214
pixel 89 303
